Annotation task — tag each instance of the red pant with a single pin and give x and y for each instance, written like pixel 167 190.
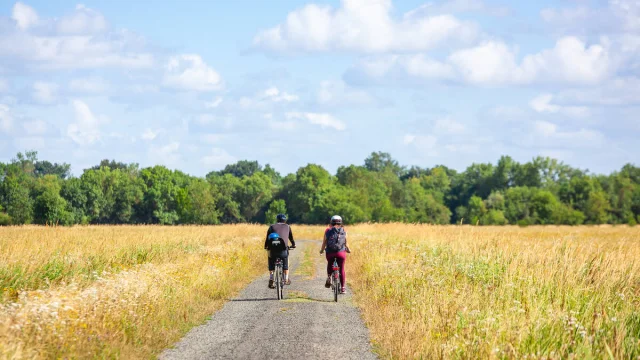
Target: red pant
pixel 341 257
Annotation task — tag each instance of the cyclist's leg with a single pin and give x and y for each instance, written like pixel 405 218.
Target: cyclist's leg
pixel 285 267
pixel 272 267
pixel 342 257
pixel 329 269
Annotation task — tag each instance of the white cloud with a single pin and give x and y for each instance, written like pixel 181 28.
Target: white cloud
pixel 75 41
pixel 276 95
pixel 324 120
pixel 86 128
pixel 6 119
pixel 543 104
pixel 213 104
pixel 24 15
pixel 336 93
pixel 149 134
pixel 548 134
pixel 363 26
pixel 168 154
pixel 88 85
pixel 425 144
pixel 82 21
pixel 189 72
pixel 218 158
pixel 571 60
pixel 449 126
pixel 493 63
pixel 45 93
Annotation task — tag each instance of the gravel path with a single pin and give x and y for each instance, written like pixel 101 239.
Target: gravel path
pixel 306 325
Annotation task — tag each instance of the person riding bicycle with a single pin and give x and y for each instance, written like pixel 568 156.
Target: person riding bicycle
pixel 335 244
pixel 278 247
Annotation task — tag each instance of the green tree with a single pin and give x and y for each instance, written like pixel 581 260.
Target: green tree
pixel 276 207
pixel 16 197
pixel 49 207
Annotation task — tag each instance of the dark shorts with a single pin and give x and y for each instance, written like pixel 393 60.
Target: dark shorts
pixel 285 259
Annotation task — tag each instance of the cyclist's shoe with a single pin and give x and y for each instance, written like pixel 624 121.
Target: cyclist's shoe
pixel 343 291
pixel 328 283
pixel 271 286
pixel 287 282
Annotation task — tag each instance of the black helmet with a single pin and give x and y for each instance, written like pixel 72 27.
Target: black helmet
pixel 281 218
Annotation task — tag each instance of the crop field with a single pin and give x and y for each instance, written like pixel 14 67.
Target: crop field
pixel 116 291
pixel 424 291
pixel 499 292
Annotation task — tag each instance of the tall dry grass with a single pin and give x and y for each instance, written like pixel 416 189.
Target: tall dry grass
pixel 116 291
pixel 498 292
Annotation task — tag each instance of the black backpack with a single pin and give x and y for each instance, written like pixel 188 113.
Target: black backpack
pixel 336 239
pixel 277 245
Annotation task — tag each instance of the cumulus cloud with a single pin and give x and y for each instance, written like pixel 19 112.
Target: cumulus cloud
pixel 493 63
pixel 276 95
pixel 217 158
pixel 425 144
pixel 189 72
pixel 324 120
pixel 24 15
pixel 149 134
pixel 363 26
pixel 82 21
pixel 337 93
pixel 548 134
pixel 214 103
pixel 86 128
pixel 45 93
pixel 81 39
pixel 449 126
pixel 544 104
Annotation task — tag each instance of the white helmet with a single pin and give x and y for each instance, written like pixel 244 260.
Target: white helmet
pixel 336 220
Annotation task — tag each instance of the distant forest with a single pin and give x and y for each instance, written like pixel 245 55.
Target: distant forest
pixel 542 191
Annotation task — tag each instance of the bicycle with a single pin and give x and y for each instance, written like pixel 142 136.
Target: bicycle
pixel 278 279
pixel 335 280
pixel 279 276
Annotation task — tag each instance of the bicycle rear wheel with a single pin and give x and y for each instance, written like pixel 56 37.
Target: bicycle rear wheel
pixel 336 287
pixel 278 282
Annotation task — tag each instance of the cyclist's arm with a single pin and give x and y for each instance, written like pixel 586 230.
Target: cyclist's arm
pixel 293 243
pixel 324 243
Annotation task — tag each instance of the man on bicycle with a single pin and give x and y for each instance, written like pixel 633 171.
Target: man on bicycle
pixel 335 244
pixel 283 230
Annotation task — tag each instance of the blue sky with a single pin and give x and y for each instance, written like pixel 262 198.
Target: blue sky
pixel 196 85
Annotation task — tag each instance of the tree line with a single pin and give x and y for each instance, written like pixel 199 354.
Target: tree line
pixel 542 191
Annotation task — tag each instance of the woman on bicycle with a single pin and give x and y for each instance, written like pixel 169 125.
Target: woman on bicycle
pixel 335 244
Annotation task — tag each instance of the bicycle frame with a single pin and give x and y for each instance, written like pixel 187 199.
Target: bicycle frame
pixel 335 280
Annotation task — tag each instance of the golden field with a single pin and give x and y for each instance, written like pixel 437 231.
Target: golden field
pixel 424 291
pixel 498 292
pixel 117 291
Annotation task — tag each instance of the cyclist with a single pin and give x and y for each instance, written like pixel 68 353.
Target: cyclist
pixel 283 230
pixel 335 244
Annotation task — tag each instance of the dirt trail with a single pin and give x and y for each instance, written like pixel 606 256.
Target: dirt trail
pixel 306 325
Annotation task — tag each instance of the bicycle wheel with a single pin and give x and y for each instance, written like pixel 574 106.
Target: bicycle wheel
pixel 278 281
pixel 282 288
pixel 336 285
